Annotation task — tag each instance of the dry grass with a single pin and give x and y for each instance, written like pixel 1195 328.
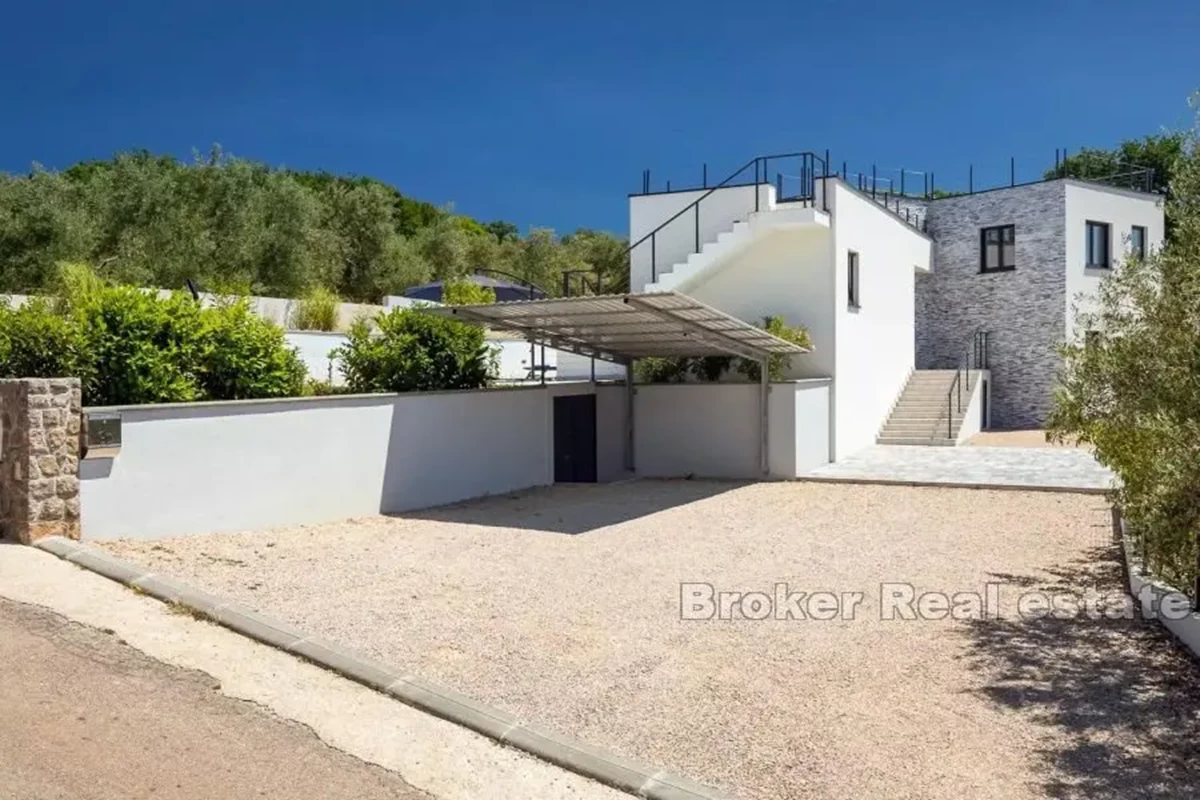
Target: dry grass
pixel 563 606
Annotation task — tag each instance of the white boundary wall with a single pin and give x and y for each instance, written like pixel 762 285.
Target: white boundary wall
pixel 712 430
pixel 215 467
pixel 211 467
pixel 1154 596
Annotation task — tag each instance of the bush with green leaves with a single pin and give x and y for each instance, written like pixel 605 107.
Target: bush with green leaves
pixel 317 310
pixel 463 292
pixel 141 348
pixel 36 341
pixel 409 351
pixel 244 356
pixel 129 346
pixel 1131 389
pixel 710 369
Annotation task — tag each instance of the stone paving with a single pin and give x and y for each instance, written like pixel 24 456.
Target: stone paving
pixel 1022 467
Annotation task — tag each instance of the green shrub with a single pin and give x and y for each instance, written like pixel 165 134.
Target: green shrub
pixel 411 351
pixel 316 311
pixel 776 364
pixel 1131 388
pixel 244 356
pixel 128 346
pixel 142 348
pixel 37 342
pixel 462 292
pixel 661 370
pixel 709 369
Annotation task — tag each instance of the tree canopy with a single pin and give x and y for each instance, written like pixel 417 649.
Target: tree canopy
pixel 1160 152
pixel 227 223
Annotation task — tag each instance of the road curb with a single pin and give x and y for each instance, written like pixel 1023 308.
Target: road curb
pixel 1004 487
pixel 544 743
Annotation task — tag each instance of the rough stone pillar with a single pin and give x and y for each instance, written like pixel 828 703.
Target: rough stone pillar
pixel 39 458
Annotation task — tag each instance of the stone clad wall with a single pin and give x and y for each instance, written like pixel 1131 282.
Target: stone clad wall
pixel 1024 309
pixel 39 458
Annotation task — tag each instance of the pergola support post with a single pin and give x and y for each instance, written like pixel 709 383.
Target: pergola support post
pixel 630 464
pixel 764 388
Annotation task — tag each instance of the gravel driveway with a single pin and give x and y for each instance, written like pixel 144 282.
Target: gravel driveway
pixel 563 605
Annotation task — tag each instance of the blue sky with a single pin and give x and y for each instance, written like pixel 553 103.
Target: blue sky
pixel 545 113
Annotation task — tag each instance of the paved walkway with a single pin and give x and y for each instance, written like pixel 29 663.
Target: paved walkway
pixel 1023 467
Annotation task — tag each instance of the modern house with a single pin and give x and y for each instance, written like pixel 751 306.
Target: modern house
pixel 932 317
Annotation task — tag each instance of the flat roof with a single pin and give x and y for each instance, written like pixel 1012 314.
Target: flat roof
pixel 623 327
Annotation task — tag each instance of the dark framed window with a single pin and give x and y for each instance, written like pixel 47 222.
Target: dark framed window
pixel 1137 241
pixel 998 248
pixel 1099 250
pixel 852 279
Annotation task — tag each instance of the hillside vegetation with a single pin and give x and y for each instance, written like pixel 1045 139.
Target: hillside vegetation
pixel 229 224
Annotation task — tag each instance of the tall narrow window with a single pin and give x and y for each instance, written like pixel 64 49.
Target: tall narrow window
pixel 1137 241
pixel 852 284
pixel 998 248
pixel 1098 250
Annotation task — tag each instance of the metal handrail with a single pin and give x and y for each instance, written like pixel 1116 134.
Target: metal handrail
pixel 761 164
pixel 977 355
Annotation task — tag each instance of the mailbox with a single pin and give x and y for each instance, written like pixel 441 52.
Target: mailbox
pixel 103 434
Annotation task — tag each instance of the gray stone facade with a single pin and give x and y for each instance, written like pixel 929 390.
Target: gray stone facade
pixel 1023 309
pixel 39 458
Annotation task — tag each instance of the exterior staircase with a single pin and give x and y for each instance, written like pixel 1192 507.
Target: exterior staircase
pixel 741 235
pixel 920 415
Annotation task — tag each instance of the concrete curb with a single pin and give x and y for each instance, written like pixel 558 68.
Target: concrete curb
pixel 1008 487
pixel 544 743
pixel 1149 591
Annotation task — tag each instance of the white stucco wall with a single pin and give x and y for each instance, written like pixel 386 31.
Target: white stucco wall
pixel 513 359
pixel 675 242
pixel 874 345
pixel 784 273
pixel 314 348
pixel 212 467
pixel 712 430
pixel 572 367
pixel 973 421
pixel 1121 209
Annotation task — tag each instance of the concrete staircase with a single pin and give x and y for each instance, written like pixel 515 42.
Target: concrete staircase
pixel 678 277
pixel 920 414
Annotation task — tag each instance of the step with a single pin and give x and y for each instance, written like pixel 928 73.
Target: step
pixel 939 442
pixel 916 414
pixel 921 424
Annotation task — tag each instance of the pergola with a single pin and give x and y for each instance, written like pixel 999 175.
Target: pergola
pixel 625 327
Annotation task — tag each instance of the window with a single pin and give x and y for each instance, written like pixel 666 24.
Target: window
pixel 852 285
pixel 1097 245
pixel 1137 241
pixel 998 248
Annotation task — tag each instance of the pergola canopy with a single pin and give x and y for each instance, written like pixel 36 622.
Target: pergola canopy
pixel 624 327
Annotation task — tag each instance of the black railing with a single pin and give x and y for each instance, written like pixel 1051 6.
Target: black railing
pixel 793 172
pixel 976 358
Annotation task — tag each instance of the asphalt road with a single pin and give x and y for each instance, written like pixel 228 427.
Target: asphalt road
pixel 82 715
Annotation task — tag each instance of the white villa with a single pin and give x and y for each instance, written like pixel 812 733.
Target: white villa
pixel 899 292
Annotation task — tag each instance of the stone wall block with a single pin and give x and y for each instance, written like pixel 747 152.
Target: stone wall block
pixel 39 458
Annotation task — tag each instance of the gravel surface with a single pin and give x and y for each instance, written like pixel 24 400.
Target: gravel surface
pixel 563 606
pixel 1029 438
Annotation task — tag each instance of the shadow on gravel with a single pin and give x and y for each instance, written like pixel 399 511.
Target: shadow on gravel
pixel 1118 699
pixel 576 508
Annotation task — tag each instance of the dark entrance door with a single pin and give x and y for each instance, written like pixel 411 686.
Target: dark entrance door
pixel 575 439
